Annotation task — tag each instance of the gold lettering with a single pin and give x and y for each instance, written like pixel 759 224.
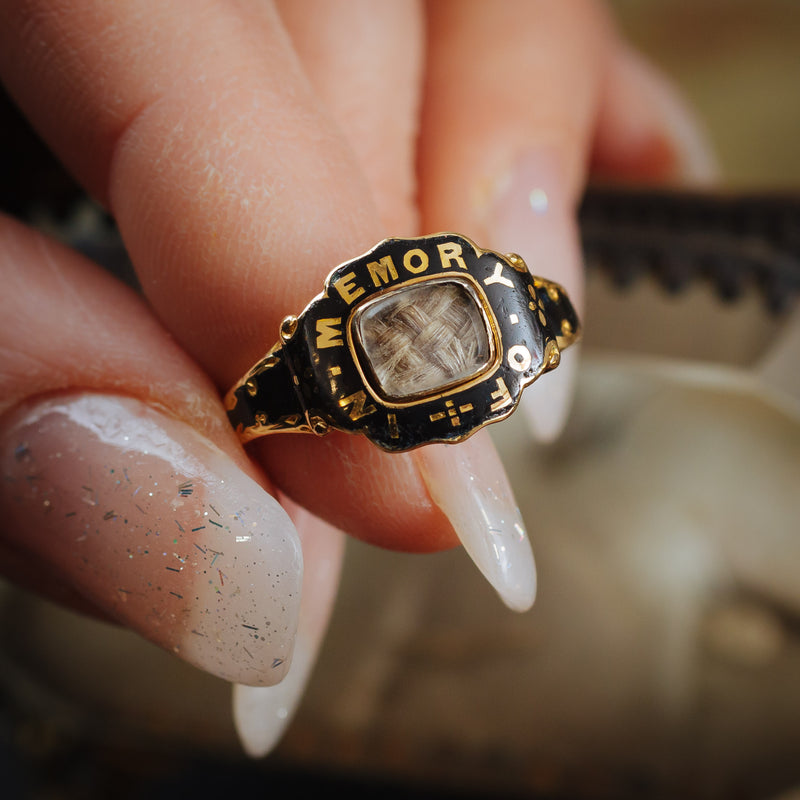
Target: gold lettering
pixel 347 287
pixel 382 271
pixel 497 277
pixel 328 333
pixel 333 372
pixel 419 267
pixel 449 252
pixel 358 401
pixel 519 358
pixel 502 396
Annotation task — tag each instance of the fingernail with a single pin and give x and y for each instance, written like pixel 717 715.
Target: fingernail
pixel 694 157
pixel 468 483
pixel 547 403
pixel 158 527
pixel 533 216
pixel 261 714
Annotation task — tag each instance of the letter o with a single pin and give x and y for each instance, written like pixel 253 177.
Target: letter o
pixel 423 261
pixel 519 357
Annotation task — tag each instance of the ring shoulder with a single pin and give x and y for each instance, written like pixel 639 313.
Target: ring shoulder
pixel 265 400
pixel 558 310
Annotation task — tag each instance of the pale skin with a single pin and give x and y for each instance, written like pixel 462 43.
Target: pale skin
pixel 247 148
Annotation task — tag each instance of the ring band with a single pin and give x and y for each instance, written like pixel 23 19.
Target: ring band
pixel 416 341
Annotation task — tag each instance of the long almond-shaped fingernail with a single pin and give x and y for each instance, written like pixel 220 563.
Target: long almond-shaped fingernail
pixel 262 713
pixel 156 526
pixel 468 483
pixel 531 215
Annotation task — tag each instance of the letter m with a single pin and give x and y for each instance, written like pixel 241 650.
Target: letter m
pixel 329 334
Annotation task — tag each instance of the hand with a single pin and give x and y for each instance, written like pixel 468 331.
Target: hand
pixel 245 149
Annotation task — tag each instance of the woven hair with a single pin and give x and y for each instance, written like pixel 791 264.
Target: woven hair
pixel 426 339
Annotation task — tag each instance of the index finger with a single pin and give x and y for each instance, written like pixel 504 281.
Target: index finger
pixel 200 136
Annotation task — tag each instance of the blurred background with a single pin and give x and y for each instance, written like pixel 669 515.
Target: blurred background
pixel 662 658
pixel 737 61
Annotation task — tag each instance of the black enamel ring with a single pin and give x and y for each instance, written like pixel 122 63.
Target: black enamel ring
pixel 419 340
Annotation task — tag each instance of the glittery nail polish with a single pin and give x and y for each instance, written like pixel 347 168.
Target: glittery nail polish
pixel 468 483
pixel 156 526
pixel 532 215
pixel 262 713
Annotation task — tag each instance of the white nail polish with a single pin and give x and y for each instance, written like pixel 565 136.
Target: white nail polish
pixel 468 483
pixel 158 527
pixel 531 215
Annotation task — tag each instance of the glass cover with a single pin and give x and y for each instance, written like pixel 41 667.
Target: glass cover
pixel 423 338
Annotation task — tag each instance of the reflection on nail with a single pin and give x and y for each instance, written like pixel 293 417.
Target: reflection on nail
pixel 158 527
pixel 538 200
pixel 468 483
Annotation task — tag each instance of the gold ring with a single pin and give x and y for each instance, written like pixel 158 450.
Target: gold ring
pixel 416 341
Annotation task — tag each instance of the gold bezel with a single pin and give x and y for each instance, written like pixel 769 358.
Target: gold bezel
pixel 356 345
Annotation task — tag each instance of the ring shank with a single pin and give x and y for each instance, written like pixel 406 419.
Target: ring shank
pixel 558 311
pixel 265 401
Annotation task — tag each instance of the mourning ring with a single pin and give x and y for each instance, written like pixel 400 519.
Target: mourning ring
pixel 417 341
